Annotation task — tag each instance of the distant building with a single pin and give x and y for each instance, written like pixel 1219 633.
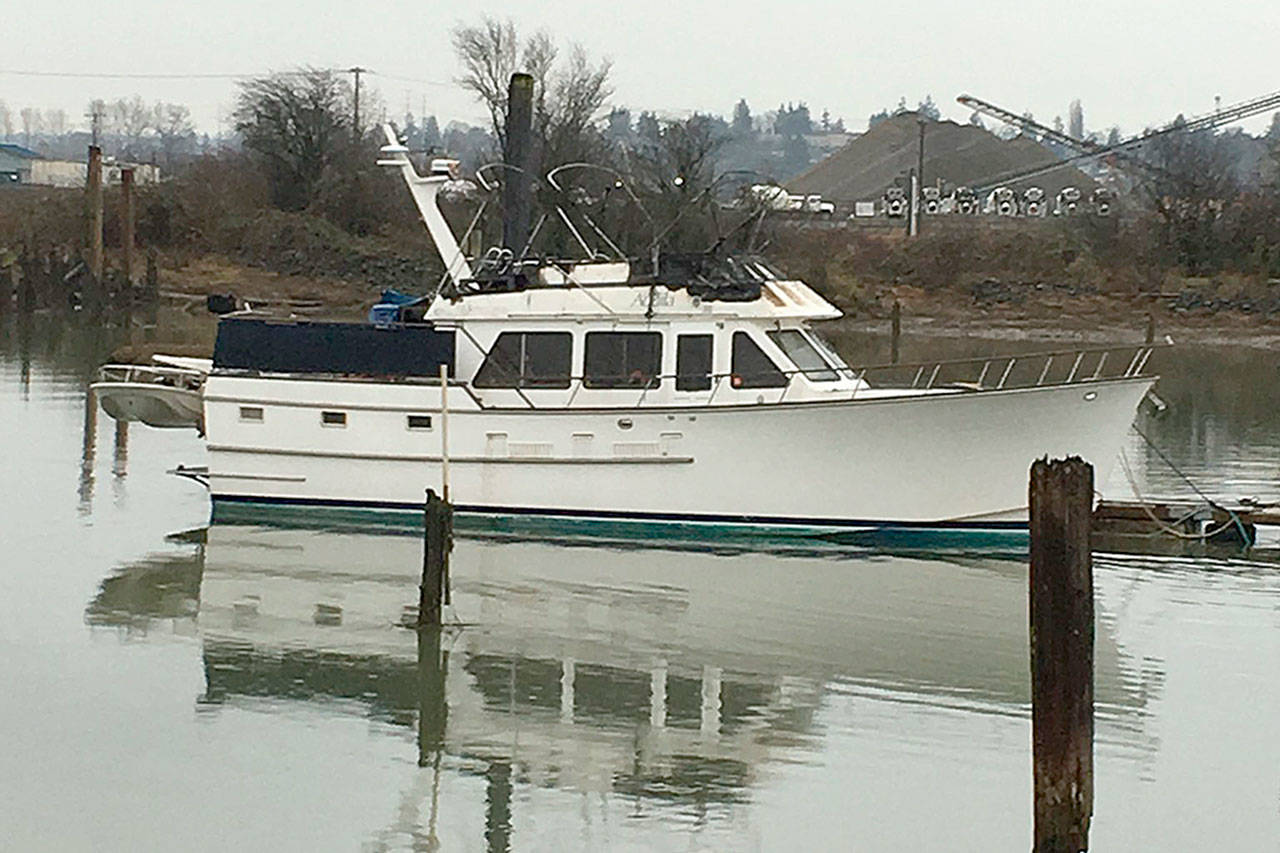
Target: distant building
pixel 15 163
pixel 19 165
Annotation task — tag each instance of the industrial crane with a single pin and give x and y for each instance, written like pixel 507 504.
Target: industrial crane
pixel 1122 150
pixel 1082 147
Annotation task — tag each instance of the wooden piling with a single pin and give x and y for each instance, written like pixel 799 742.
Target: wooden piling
pixel 128 214
pixel 1151 328
pixel 10 284
pixel 437 542
pixel 153 274
pixel 518 153
pixel 896 327
pixel 433 711
pixel 1062 632
pixel 93 206
pixel 24 283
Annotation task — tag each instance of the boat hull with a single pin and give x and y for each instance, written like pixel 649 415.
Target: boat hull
pixel 158 406
pixel 945 460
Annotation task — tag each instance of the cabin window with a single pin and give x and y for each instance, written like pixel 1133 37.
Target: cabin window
pixel 527 360
pixel 751 367
pixel 804 354
pixel 253 414
pixel 693 362
pixel 333 419
pixel 622 360
pixel 418 422
pixel 829 352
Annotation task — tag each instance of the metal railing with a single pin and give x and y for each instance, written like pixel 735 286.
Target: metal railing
pixel 151 374
pixel 1018 370
pixel 966 375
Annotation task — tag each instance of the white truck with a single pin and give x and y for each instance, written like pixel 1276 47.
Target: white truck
pixel 777 198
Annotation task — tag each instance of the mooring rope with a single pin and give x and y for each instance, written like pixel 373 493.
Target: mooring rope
pixel 1235 519
pixel 1165 527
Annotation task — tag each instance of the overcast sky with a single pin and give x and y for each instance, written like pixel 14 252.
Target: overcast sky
pixel 1130 63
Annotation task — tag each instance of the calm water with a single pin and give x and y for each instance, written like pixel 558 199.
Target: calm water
pixel 170 685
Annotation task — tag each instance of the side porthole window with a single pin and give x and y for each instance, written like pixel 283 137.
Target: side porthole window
pixel 419 422
pixel 333 419
pixel 253 414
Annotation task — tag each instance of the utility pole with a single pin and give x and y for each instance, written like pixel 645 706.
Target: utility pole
pixel 919 187
pixel 356 71
pixel 95 116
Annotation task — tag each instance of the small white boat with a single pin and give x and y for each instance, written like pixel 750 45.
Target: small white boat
pixel 164 395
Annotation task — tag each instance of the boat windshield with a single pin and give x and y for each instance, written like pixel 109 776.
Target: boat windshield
pixel 805 356
pixel 829 352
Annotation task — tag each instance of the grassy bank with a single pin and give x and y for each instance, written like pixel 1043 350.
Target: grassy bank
pixel 1077 280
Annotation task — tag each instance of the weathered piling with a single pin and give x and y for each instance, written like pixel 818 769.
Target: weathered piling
pixel 896 331
pixel 517 193
pixel 128 215
pixel 25 284
pixel 10 284
pixel 1062 628
pixel 93 208
pixel 433 711
pixel 1151 328
pixel 152 280
pixel 437 541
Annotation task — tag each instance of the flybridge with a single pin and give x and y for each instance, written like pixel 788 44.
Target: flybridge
pixel 705 276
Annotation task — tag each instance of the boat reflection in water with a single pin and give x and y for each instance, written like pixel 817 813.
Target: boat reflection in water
pixel 673 676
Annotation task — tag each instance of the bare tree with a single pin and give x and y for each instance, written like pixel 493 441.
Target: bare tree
pixel 568 97
pixel 673 169
pixel 55 122
pixel 130 118
pixel 1195 180
pixel 296 124
pixel 172 123
pixel 32 122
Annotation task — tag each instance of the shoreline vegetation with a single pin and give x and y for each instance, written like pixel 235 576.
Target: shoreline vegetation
pixel 1068 281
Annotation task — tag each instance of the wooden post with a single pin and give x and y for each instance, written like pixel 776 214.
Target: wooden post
pixel 153 274
pixel 93 203
pixel 897 331
pixel 10 285
pixel 1151 328
pixel 497 807
pixel 444 431
pixel 129 215
pixel 517 192
pixel 1062 627
pixel 24 283
pixel 433 712
pixel 437 542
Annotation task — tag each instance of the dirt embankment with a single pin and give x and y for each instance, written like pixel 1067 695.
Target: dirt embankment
pixel 1081 282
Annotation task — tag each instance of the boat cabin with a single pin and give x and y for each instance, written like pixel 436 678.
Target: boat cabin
pixel 608 344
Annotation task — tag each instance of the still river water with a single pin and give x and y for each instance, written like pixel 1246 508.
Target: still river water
pixel 171 684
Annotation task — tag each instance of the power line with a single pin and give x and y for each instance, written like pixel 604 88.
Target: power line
pixel 200 75
pixel 403 79
pixel 120 76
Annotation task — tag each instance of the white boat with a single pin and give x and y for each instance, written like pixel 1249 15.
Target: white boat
pixel 166 394
pixel 696 391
